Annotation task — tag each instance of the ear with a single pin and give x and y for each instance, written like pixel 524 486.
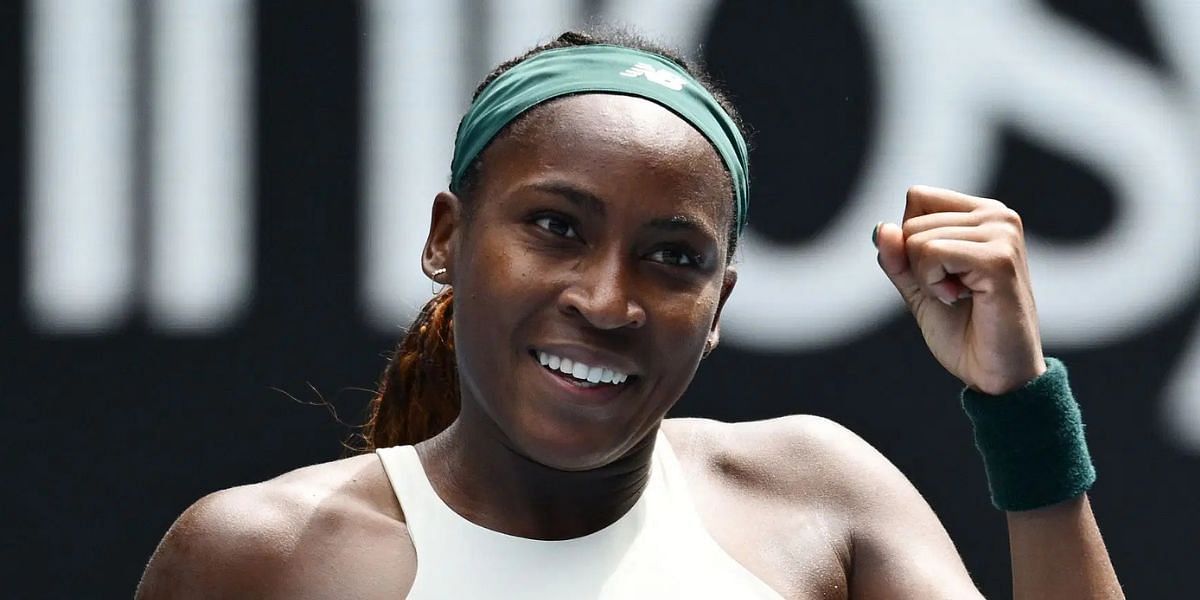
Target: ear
pixel 444 226
pixel 714 332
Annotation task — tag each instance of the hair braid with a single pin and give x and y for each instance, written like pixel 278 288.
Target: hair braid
pixel 418 391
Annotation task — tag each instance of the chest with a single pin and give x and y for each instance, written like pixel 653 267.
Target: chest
pixel 365 570
pixel 796 554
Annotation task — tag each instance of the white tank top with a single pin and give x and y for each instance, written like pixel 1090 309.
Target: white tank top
pixel 659 549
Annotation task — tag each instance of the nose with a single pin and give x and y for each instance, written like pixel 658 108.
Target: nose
pixel 601 294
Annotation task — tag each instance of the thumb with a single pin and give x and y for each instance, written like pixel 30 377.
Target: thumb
pixel 893 259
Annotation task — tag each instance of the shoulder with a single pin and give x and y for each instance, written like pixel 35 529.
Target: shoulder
pixel 283 537
pixel 787 456
pixel 806 474
pixel 802 474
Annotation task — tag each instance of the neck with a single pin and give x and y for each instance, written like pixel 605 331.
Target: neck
pixel 478 473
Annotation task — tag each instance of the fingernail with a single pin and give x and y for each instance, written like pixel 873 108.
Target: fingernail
pixel 875 234
pixel 946 302
pixel 964 294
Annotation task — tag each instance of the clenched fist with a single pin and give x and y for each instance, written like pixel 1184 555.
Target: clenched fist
pixel 959 263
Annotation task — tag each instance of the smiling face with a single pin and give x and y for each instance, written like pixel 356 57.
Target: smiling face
pixel 596 242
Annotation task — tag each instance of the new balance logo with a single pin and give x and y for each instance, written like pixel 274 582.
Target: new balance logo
pixel 662 77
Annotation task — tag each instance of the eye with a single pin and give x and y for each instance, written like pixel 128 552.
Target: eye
pixel 556 226
pixel 676 257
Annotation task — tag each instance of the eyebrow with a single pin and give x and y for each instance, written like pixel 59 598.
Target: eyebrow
pixel 593 204
pixel 575 195
pixel 681 223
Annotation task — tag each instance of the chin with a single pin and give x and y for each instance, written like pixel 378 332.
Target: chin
pixel 569 445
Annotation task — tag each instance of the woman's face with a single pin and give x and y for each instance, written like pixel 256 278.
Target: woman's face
pixel 597 235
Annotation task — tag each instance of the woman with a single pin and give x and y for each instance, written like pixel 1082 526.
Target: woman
pixel 597 193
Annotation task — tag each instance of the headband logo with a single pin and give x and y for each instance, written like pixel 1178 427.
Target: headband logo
pixel 662 77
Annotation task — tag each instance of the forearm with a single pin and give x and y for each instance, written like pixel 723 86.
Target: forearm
pixel 969 253
pixel 1057 552
pixel 1039 470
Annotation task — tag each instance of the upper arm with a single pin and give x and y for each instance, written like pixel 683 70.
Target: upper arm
pixel 323 531
pixel 899 547
pixel 228 544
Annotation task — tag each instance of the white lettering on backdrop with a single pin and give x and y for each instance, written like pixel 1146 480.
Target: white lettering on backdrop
pixel 81 264
pixel 950 75
pixel 939 114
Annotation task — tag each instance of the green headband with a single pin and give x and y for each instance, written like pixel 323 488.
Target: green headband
pixel 604 69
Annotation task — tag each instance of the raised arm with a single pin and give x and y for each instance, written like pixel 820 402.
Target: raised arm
pixel 959 263
pixel 1057 553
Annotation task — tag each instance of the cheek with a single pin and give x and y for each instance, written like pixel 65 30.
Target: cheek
pixel 684 322
pixel 498 286
pixel 691 312
pixel 480 249
pixel 492 287
pixel 500 269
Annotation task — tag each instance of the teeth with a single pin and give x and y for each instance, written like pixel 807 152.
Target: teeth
pixel 580 371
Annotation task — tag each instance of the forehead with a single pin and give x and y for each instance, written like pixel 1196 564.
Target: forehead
pixel 642 126
pixel 631 145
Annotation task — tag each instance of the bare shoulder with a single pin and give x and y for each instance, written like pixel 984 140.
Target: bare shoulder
pixel 810 476
pixel 792 457
pixel 287 537
pixel 800 474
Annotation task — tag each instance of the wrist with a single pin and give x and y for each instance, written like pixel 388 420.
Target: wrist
pixel 1015 380
pixel 1031 440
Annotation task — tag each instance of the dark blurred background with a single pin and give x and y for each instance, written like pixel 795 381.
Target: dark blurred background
pixel 213 211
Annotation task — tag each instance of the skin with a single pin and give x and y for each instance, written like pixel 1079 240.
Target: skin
pixel 574 241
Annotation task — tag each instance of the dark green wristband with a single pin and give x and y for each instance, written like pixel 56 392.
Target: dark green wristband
pixel 1032 443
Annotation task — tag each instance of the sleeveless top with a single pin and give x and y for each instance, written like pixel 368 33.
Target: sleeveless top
pixel 658 549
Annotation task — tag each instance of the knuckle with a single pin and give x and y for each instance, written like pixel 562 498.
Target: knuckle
pixel 1011 217
pixel 917 244
pixel 935 246
pixel 912 242
pixel 929 265
pixel 1003 259
pixel 1003 216
pixel 1003 230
